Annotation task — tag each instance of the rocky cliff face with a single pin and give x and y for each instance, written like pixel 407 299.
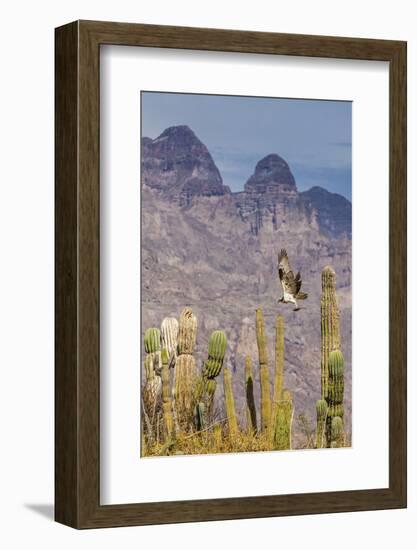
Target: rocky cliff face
pixel 216 251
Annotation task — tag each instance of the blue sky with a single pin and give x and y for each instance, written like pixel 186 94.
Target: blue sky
pixel 314 137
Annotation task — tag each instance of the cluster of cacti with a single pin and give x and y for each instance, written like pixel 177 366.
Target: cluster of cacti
pixel 185 372
pixel 180 402
pixel 330 407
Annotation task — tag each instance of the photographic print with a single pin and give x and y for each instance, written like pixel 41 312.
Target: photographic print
pixel 246 264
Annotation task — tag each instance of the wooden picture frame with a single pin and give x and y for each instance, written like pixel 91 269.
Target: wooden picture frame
pixel 77 374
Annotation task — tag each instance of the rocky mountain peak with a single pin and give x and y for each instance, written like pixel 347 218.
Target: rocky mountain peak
pixel 180 165
pixel 272 174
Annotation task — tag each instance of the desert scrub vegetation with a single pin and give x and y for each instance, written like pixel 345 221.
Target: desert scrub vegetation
pixel 180 415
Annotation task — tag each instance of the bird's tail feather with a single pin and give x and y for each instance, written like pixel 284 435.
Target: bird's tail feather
pixel 302 296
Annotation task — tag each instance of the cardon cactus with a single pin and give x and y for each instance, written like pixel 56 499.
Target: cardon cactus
pixel 200 415
pixel 152 340
pixel 279 369
pixel 336 432
pixel 152 389
pixel 216 352
pixel 206 386
pixel 264 372
pixel 335 392
pixel 330 324
pixel 283 422
pixel 230 404
pixel 166 396
pixel 321 410
pixel 184 380
pixel 251 422
pixel 185 369
pixel 187 332
pixel 169 333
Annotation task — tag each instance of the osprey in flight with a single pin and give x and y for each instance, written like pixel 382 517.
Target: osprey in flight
pixel 290 285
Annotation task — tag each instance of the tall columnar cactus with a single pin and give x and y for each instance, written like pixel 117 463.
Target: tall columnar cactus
pixel 187 332
pixel 169 333
pixel 335 393
pixel 217 437
pixel 251 423
pixel 166 396
pixel 283 422
pixel 321 410
pixel 264 372
pixel 185 371
pixel 336 432
pixel 279 369
pixel 330 324
pixel 200 416
pixel 230 404
pixel 152 341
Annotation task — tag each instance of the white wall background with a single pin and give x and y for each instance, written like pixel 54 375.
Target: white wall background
pixel 26 274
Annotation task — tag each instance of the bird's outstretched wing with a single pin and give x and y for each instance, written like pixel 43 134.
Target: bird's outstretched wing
pixel 286 276
pixel 291 284
pixel 283 263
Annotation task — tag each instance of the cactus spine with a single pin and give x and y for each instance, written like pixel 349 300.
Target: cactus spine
pixel 166 396
pixel 336 384
pixel 169 333
pixel 321 410
pixel 230 404
pixel 279 369
pixel 330 324
pixel 251 424
pixel 264 372
pixel 283 422
pixel 185 368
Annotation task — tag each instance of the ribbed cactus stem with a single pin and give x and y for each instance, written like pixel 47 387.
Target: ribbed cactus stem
pixel 185 369
pixel 321 410
pixel 152 340
pixel 230 404
pixel 169 335
pixel 283 422
pixel 216 352
pixel 335 395
pixel 264 372
pixel 251 423
pixel 187 331
pixel 166 396
pixel 184 380
pixel 279 369
pixel 152 389
pixel 336 432
pixel 330 324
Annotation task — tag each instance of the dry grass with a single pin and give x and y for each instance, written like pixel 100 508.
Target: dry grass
pixel 208 442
